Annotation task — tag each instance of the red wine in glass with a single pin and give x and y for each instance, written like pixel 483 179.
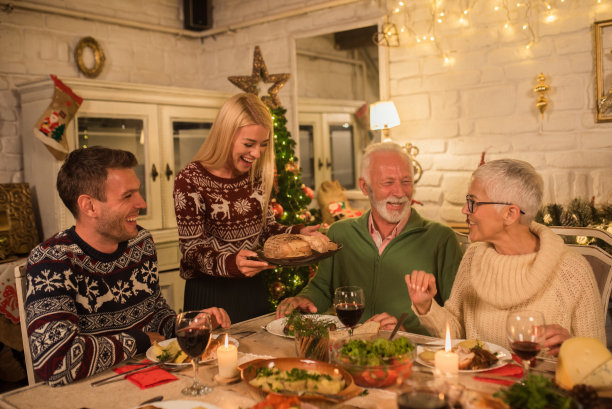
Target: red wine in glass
pixel 526 350
pixel 349 303
pixel 193 330
pixel 526 334
pixel 350 313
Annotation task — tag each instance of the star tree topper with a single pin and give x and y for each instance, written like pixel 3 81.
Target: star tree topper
pixel 260 73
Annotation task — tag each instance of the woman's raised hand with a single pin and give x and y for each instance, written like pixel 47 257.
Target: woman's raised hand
pixel 421 288
pixel 250 267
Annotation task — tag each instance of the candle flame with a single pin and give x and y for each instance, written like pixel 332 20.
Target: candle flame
pixel 447 343
pixel 226 340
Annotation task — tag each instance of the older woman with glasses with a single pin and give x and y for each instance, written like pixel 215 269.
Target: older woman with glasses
pixel 513 264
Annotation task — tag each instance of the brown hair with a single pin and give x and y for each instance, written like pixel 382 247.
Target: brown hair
pixel 85 171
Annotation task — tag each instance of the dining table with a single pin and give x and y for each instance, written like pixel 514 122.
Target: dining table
pixel 255 342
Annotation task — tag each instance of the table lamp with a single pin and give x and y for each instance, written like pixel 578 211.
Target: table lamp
pixel 383 116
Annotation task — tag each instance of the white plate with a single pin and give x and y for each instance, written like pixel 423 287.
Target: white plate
pixel 276 327
pixel 503 355
pixel 151 356
pixel 182 404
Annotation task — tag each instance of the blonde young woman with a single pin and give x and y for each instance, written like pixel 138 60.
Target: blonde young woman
pixel 221 203
pixel 513 264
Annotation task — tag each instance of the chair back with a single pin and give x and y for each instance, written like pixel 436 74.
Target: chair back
pixel 20 283
pixel 601 263
pixel 464 240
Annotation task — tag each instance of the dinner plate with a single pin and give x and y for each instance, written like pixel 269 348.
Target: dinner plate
pixel 503 355
pixel 298 261
pixel 276 327
pixel 151 356
pixel 181 404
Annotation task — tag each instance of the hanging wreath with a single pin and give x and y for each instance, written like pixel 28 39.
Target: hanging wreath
pixel 99 58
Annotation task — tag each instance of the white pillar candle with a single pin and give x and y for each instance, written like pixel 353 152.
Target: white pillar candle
pixel 227 358
pixel 447 362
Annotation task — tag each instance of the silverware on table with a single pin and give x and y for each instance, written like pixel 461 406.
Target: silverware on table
pixel 154 399
pixel 117 377
pixel 400 321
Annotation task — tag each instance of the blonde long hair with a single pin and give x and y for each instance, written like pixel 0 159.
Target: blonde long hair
pixel 238 111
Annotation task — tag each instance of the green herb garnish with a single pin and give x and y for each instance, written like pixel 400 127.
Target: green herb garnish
pixel 535 392
pixel 373 353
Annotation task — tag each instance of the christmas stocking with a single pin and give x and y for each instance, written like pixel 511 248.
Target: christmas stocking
pixel 51 126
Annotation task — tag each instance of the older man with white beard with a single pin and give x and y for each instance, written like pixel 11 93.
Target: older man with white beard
pixel 381 246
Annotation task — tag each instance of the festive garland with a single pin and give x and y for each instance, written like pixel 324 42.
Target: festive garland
pixel 579 213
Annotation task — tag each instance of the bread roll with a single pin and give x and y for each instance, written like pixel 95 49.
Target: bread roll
pixel 319 244
pixel 286 246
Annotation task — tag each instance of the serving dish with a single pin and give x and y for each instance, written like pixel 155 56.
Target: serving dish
pixel 277 326
pixel 385 371
pixel 212 356
pixel 182 404
pixel 248 371
pixel 503 355
pixel 298 261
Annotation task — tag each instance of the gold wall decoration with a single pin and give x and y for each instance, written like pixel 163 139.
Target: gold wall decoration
pixel 603 70
pixel 98 54
pixel 542 89
pixel 18 230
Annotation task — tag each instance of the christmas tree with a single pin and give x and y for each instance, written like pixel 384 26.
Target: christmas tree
pixel 290 197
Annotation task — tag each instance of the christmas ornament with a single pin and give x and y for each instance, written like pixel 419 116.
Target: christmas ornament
pixel 308 191
pixel 305 216
pixel 277 209
pixel 277 289
pixel 50 127
pixel 542 88
pixel 292 166
pixel 260 73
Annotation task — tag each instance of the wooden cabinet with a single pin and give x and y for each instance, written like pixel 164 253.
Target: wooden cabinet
pixel 162 126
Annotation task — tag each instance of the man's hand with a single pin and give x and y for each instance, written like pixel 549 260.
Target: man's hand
pixel 387 321
pixel 248 267
pixel 555 335
pixel 218 316
pixel 289 304
pixel 421 288
pixel 155 337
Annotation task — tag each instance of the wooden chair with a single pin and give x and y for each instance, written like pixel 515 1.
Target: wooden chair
pixel 20 283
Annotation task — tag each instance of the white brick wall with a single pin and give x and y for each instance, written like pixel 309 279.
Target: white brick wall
pixel 452 113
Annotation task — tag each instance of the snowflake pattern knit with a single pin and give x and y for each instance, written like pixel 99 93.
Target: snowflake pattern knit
pixel 86 310
pixel 216 218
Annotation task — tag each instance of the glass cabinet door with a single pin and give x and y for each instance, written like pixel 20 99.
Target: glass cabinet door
pixel 131 127
pixel 188 128
pixel 342 154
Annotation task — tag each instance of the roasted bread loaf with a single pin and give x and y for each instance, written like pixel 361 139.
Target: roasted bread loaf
pixel 319 244
pixel 286 246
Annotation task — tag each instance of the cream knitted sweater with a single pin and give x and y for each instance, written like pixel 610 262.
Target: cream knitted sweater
pixel 554 280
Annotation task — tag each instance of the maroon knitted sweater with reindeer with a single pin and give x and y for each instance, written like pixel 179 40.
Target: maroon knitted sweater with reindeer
pixel 216 218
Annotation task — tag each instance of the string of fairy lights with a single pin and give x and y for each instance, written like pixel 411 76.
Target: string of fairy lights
pixel 518 18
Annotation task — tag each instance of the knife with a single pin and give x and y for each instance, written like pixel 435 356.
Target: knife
pixel 401 320
pixel 112 378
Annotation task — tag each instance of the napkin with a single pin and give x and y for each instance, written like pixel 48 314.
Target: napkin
pixel 506 370
pixel 147 378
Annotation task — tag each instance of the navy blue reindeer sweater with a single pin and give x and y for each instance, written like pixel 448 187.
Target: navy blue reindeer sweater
pixel 86 310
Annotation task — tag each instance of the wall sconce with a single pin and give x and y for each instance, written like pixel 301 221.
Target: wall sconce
pixel 383 116
pixel 388 36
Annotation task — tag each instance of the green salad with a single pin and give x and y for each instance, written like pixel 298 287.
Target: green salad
pixel 376 352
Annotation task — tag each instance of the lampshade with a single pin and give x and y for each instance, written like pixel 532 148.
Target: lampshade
pixel 383 115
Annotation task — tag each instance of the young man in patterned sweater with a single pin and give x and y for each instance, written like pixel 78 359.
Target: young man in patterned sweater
pixel 93 296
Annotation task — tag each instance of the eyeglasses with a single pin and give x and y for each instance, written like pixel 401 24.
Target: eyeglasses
pixel 471 203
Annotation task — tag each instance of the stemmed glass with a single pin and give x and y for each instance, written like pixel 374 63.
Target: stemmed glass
pixel 525 331
pixel 349 303
pixel 193 329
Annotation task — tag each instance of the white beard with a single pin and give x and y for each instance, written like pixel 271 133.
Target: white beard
pixel 389 215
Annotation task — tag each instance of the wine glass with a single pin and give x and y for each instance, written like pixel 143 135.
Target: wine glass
pixel 525 331
pixel 193 329
pixel 349 303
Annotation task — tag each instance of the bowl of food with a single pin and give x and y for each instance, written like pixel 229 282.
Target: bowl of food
pixel 374 361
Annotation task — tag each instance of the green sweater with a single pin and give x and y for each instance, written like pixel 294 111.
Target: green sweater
pixel 422 245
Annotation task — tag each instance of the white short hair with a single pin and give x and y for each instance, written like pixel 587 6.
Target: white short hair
pixel 512 181
pixel 366 160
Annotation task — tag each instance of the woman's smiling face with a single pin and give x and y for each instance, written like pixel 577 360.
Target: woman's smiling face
pixel 250 143
pixel 486 221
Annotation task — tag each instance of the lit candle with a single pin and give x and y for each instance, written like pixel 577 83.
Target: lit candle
pixel 227 358
pixel 447 362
